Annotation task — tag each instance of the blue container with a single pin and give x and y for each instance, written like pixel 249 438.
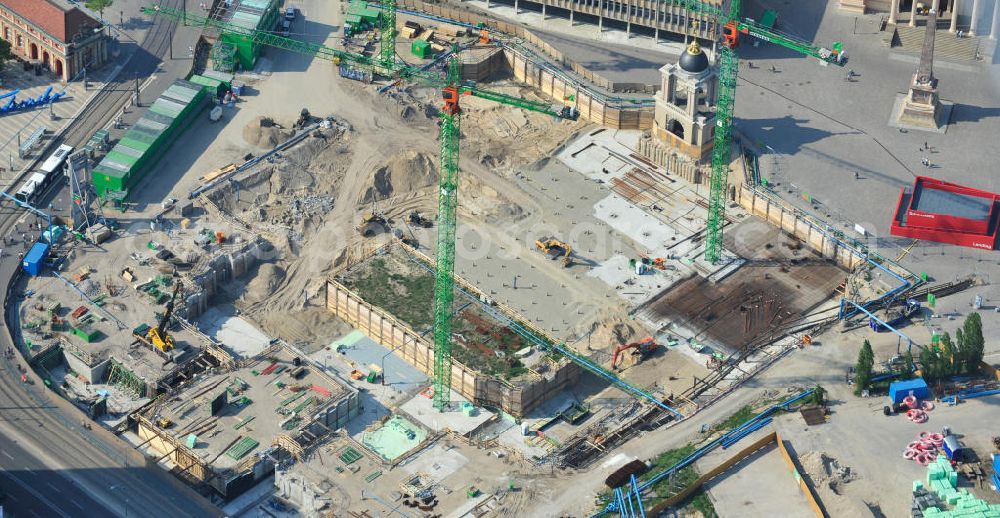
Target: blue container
pixel 900 389
pixel 238 88
pixel 35 258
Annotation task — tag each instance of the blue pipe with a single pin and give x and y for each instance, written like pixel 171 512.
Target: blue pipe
pixel 909 343
pixel 638 497
pixel 745 432
pixel 711 446
pixel 971 395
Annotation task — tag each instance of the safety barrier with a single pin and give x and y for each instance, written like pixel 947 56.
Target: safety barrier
pixel 807 489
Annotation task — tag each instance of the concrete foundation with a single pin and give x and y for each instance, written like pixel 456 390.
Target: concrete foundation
pixel 516 397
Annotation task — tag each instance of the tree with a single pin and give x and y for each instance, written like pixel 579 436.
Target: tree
pixel 962 349
pixel 5 53
pixel 863 370
pixel 99 5
pixel 950 358
pixel 929 363
pixel 972 343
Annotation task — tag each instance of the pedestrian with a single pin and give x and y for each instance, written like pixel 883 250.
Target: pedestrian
pixel 926 146
pixel 749 64
pixel 856 175
pixel 773 69
pixel 927 163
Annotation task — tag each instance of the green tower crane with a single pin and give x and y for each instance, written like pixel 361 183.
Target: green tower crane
pixel 387 44
pixel 444 274
pixel 728 63
pixel 444 277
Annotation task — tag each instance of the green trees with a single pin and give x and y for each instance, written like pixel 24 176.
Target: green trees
pixel 863 369
pixel 99 5
pixel 962 356
pixel 971 344
pixel 5 54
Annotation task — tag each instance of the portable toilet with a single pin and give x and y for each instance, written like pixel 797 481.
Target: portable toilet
pixel 35 259
pixel 952 448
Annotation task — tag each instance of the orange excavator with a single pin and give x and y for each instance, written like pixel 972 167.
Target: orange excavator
pixel 642 349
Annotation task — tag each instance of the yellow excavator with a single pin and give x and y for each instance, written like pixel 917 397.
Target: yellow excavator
pixel 158 335
pixel 373 223
pixel 555 248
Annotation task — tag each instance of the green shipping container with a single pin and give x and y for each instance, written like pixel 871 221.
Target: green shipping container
pixel 421 49
pixel 139 148
pixel 215 87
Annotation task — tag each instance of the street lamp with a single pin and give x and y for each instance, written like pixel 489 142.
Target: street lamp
pixel 382 374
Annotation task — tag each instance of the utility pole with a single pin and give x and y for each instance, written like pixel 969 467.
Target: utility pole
pixel 137 89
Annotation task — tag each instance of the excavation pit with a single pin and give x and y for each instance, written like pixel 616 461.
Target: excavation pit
pixel 781 281
pixel 394 438
pixel 498 359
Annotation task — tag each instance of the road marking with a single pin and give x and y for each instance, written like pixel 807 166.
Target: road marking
pixel 78 506
pixel 34 492
pixel 54 488
pixel 5 454
pixel 29 470
pixel 34 513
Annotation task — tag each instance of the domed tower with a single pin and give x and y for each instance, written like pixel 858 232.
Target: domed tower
pixel 684 116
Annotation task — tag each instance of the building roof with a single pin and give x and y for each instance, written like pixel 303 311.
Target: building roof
pixel 693 59
pixel 58 18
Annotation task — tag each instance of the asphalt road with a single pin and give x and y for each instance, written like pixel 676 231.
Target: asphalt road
pixel 52 466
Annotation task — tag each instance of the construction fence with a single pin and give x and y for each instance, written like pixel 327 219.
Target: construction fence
pixel 589 92
pixel 807 489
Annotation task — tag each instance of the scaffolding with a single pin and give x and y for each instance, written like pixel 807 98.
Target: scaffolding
pixel 223 57
pixel 119 375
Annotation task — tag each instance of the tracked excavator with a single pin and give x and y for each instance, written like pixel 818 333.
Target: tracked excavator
pixel 158 336
pixel 555 248
pixel 640 350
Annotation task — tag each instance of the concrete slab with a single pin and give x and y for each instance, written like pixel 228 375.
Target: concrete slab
pixel 633 222
pixel 759 486
pixel 421 408
pixel 438 461
pixel 238 336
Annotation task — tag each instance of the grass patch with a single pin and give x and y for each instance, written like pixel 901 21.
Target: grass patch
pixel 409 298
pixel 700 502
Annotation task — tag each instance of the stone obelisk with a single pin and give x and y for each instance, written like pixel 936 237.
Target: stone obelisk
pixel 921 107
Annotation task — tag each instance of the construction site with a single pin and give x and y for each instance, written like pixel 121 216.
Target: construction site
pixel 443 259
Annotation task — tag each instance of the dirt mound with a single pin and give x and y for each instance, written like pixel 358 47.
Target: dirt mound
pixel 825 470
pixel 479 199
pixel 263 132
pixel 615 331
pixel 269 277
pixel 405 172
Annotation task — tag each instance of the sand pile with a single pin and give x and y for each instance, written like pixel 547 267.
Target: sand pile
pixel 826 471
pixel 503 138
pixel 404 172
pixel 479 199
pixel 269 277
pixel 615 331
pixel 263 132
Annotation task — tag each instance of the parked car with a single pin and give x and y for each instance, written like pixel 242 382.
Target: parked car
pixel 290 13
pixel 286 28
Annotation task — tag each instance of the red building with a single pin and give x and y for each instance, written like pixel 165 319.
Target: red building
pixel 54 34
pixel 934 210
